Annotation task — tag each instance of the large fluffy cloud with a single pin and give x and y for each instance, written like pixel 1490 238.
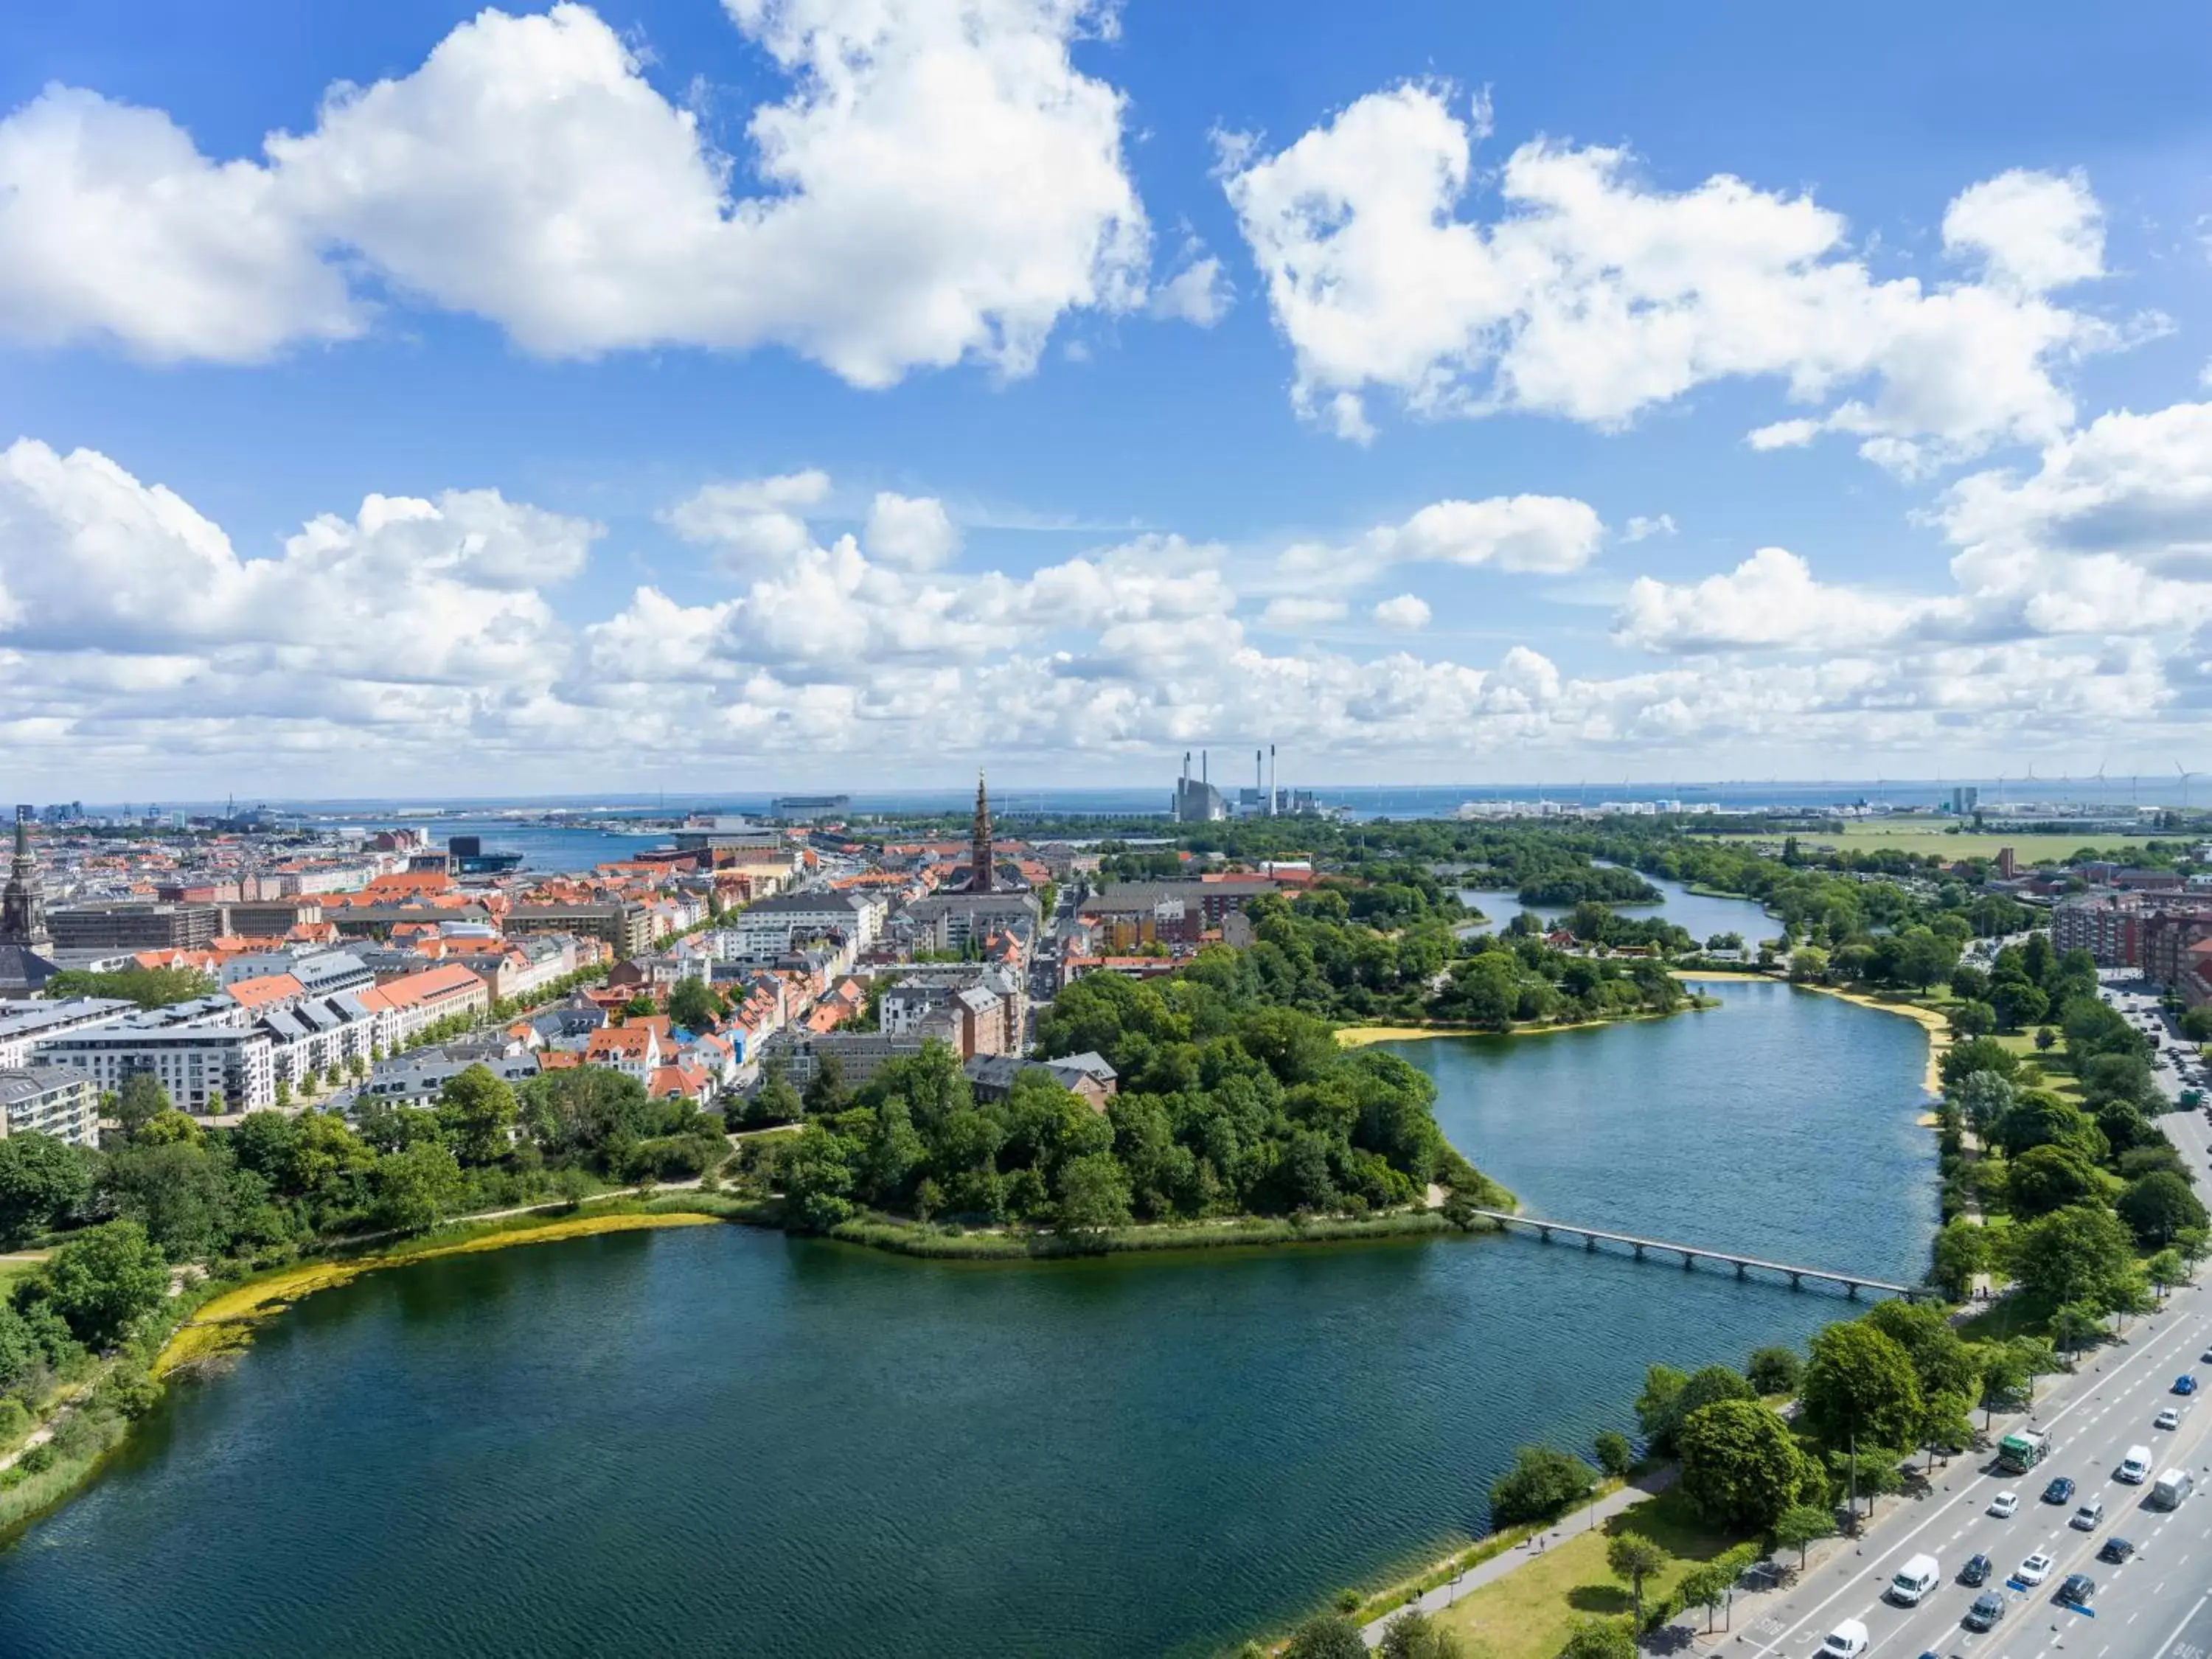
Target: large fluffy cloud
pixel 2110 536
pixel 419 634
pixel 1593 295
pixel 941 183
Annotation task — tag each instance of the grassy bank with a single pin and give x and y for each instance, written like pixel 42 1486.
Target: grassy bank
pixel 1528 1613
pixel 917 1238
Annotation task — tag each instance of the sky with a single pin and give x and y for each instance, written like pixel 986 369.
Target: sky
pixel 798 394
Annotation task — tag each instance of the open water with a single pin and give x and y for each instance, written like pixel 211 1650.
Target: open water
pixel 721 1441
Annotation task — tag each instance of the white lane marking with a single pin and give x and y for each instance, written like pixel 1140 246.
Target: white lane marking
pixel 1769 1646
pixel 2182 1626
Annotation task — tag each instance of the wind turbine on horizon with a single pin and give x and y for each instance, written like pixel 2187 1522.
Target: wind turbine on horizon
pixel 2185 777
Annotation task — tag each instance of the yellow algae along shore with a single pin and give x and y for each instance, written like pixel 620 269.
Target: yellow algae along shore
pixel 227 1320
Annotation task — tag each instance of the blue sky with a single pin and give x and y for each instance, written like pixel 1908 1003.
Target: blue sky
pixel 1455 403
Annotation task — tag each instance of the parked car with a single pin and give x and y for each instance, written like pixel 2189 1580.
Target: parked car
pixel 2078 1591
pixel 2117 1550
pixel 2004 1505
pixel 1989 1608
pixel 2060 1490
pixel 2168 1419
pixel 2035 1570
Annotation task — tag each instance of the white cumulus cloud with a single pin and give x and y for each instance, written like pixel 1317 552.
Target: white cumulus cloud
pixel 913 532
pixel 1407 612
pixel 941 183
pixel 1594 297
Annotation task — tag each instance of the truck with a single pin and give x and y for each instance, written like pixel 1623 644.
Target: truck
pixel 2023 1449
pixel 2172 1486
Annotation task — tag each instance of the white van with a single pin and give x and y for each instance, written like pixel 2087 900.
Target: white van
pixel 2135 1468
pixel 1914 1580
pixel 2172 1486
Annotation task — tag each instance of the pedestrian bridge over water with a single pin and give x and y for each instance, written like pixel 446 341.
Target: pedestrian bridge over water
pixel 1852 1284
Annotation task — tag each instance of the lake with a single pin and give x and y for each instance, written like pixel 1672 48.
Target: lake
pixel 721 1440
pixel 1703 913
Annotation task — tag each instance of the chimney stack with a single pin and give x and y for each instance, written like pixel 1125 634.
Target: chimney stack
pixel 1273 805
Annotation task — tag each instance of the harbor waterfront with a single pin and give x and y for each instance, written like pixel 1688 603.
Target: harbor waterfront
pixel 836 1452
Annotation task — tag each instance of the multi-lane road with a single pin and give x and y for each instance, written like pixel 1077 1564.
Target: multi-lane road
pixel 2156 1606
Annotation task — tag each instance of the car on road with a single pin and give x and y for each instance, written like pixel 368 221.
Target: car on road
pixel 2184 1383
pixel 1847 1641
pixel 2060 1490
pixel 2206 1357
pixel 2168 1419
pixel 2086 1518
pixel 1989 1608
pixel 2078 1591
pixel 2117 1550
pixel 2004 1505
pixel 2035 1570
pixel 1977 1571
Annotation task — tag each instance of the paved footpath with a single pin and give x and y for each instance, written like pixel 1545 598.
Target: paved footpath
pixel 1497 1566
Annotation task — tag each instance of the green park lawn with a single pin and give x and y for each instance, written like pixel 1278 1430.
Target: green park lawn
pixel 1922 836
pixel 1528 1613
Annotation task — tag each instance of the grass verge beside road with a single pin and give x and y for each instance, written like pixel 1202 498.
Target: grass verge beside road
pixel 1528 1613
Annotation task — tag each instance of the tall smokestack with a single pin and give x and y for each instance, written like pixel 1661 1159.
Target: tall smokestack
pixel 1186 766
pixel 1203 775
pixel 1273 805
pixel 1259 775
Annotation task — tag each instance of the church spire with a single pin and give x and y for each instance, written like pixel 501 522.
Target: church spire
pixel 22 906
pixel 979 850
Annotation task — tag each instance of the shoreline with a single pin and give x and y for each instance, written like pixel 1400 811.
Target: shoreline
pixel 223 1319
pixel 227 1320
pixel 1362 1036
pixel 1937 1027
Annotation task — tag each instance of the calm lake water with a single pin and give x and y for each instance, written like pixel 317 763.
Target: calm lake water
pixel 1701 913
pixel 721 1441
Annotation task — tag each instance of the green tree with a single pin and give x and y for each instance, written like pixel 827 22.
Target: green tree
pixel 1961 1252
pixel 2083 1253
pixel 1614 1454
pixel 42 1181
pixel 1775 1371
pixel 1859 1382
pixel 2045 1040
pixel 1972 1019
pixel 140 1100
pixel 1416 1636
pixel 1543 1481
pixel 774 1102
pixel 2047 1178
pixel 2167 1268
pixel 825 1089
pixel 2075 1325
pixel 1941 1359
pixel 1872 1471
pixel 1327 1636
pixel 1093 1193
pixel 182 1192
pixel 1740 1466
pixel 416 1187
pixel 694 1006
pixel 1945 1424
pixel 2006 1379
pixel 1704 1387
pixel 1632 1558
pixel 1981 1053
pixel 1655 1406
pixel 1711 1584
pixel 150 987
pixel 168 1129
pixel 103 1281
pixel 818 1180
pixel 1797 1527
pixel 1599 1638
pixel 2158 1206
pixel 478 1111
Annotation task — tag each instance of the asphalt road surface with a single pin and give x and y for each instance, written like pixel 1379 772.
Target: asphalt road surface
pixel 2157 1606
